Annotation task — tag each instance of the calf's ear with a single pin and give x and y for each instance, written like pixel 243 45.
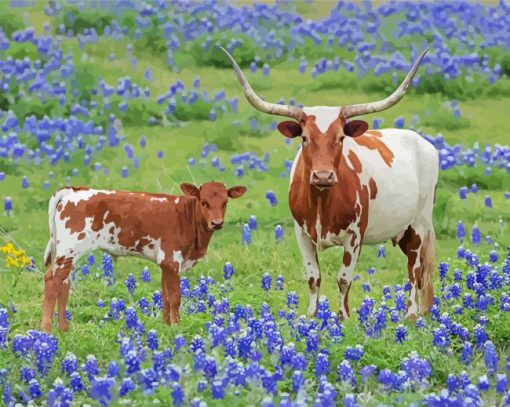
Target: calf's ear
pixel 236 192
pixel 355 128
pixel 190 190
pixel 290 129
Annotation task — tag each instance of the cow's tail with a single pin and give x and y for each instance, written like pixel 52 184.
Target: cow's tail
pixel 49 253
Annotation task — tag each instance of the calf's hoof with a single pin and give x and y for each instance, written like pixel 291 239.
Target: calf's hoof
pixel 46 327
pixel 63 327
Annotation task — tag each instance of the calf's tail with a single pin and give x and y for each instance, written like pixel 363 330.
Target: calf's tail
pixel 51 246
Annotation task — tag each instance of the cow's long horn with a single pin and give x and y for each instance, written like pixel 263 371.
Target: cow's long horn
pixel 393 99
pixel 256 101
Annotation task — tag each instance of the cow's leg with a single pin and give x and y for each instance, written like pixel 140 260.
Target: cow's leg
pixel 173 291
pixel 63 296
pixel 418 244
pixel 54 279
pixel 313 275
pixel 352 249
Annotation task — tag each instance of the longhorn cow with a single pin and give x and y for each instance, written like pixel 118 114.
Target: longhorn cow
pixel 350 186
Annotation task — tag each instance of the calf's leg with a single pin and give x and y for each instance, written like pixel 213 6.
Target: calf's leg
pixel 166 303
pixel 172 286
pixel 313 275
pixel 53 284
pixel 63 325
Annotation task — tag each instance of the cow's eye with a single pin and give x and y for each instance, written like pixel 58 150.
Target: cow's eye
pixel 205 204
pixel 305 139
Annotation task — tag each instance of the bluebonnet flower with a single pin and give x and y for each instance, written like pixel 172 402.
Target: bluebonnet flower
pixel 252 222
pixel 417 369
pixel 279 283
pixel 298 380
pixel 113 369
pixel 475 235
pixel 461 231
pixel 292 299
pixel 218 390
pixel 152 340
pixel 246 235
pixel 443 269
pixel 177 394
pixel 452 383
pixel 312 341
pixel 130 283
pixel 461 252
pixel 266 282
pixel 381 252
pixel 350 400
pixel 69 364
pixel 371 271
pixel 388 379
pixel 366 372
pixel 480 335
pixel 34 389
pixel 322 364
pixel 483 383
pixel 228 271
pixel 4 327
pixel 126 386
pixel 441 337
pixel 366 287
pixel 278 233
pixel 400 334
pixel 146 275
pixel 298 362
pixel 346 374
pixel 196 343
pixel 100 390
pixel 108 271
pixel 467 353
pixel 490 357
pixel 26 374
pixel 76 383
pixel 421 323
pixel 157 300
pixel 501 383
pixel 355 353
pixel 85 270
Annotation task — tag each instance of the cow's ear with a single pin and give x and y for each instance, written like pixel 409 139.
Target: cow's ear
pixel 355 128
pixel 290 129
pixel 190 190
pixel 236 192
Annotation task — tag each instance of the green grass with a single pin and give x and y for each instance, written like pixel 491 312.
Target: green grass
pixel 485 121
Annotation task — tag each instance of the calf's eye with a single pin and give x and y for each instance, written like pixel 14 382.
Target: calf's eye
pixel 205 204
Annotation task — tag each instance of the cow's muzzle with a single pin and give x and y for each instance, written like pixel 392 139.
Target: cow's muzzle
pixel 323 179
pixel 216 224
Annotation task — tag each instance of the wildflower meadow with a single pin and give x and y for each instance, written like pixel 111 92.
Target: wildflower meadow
pixel 136 95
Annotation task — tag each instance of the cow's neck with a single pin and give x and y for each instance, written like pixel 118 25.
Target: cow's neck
pixel 202 234
pixel 327 211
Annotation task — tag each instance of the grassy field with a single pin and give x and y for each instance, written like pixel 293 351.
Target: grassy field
pixel 484 120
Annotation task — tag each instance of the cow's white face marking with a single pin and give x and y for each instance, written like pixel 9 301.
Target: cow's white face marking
pixel 325 115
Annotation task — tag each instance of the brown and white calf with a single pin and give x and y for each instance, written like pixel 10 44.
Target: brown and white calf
pixel 173 231
pixel 350 186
